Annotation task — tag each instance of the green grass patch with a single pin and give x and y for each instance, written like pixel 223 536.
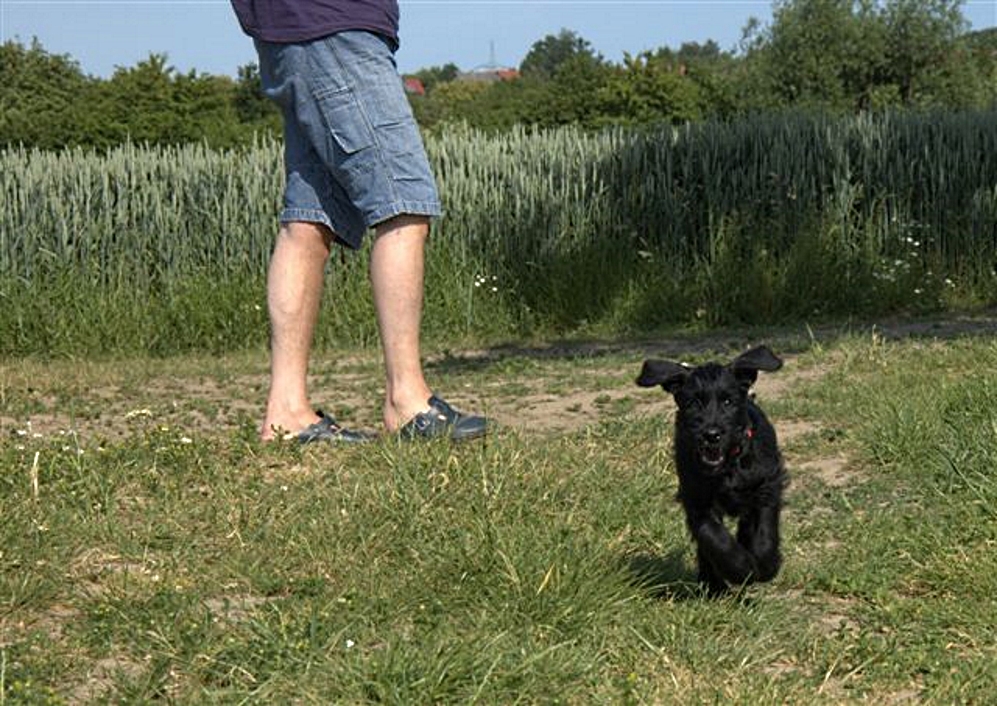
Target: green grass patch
pixel 151 548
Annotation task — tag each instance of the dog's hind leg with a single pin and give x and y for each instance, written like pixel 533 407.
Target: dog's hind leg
pixel 758 532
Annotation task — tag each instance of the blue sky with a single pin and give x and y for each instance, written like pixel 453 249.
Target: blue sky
pixel 203 34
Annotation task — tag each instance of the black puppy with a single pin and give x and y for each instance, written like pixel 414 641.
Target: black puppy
pixel 728 463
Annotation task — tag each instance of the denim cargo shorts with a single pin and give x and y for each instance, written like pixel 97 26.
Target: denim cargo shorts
pixel 353 155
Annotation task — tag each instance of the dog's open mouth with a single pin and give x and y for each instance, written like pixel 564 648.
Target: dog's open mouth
pixel 711 455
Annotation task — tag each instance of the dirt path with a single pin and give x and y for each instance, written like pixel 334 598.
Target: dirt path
pixel 108 403
pixel 535 390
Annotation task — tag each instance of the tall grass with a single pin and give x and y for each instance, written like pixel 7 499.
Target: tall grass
pixel 546 232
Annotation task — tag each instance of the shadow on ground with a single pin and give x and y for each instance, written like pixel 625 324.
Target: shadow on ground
pixel 665 577
pixel 788 340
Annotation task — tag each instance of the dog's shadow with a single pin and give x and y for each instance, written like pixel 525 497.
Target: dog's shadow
pixel 667 577
pixel 670 578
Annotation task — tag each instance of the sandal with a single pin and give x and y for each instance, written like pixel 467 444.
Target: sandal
pixel 326 430
pixel 443 420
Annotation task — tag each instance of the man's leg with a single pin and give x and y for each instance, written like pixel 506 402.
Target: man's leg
pixel 397 275
pixel 294 292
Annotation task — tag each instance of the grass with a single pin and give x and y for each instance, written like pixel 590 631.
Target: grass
pixel 152 548
pixel 773 218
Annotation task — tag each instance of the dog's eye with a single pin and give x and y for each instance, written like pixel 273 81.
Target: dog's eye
pixel 726 401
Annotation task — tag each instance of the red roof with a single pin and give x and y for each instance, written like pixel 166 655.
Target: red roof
pixel 414 85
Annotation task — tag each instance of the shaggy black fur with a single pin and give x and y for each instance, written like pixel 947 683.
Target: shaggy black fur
pixel 728 463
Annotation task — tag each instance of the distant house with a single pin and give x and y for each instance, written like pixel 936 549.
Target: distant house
pixel 413 86
pixel 489 74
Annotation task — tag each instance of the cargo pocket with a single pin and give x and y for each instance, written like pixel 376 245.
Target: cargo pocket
pixel 403 152
pixel 344 121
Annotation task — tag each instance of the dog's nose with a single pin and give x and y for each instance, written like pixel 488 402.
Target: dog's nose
pixel 712 435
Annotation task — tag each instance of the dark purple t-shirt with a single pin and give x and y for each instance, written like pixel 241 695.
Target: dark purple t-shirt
pixel 301 20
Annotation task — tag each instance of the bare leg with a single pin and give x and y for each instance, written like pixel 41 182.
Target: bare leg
pixel 294 292
pixel 397 273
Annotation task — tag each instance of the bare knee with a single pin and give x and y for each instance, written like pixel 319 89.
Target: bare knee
pixel 306 236
pixel 408 223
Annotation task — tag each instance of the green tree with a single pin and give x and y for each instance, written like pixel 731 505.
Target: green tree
pixel 137 103
pixel 820 53
pixel 549 53
pixel 648 90
pixel 251 106
pixel 922 37
pixel 570 96
pixel 560 79
pixel 47 102
pixel 206 107
pixel 435 75
pixel 41 96
pixel 982 48
pixel 711 69
pixel 453 101
pixel 151 102
pixel 858 54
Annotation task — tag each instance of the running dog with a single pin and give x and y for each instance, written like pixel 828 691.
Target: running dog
pixel 728 464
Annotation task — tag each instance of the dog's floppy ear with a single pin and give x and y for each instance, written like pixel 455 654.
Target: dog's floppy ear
pixel 669 375
pixel 747 365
